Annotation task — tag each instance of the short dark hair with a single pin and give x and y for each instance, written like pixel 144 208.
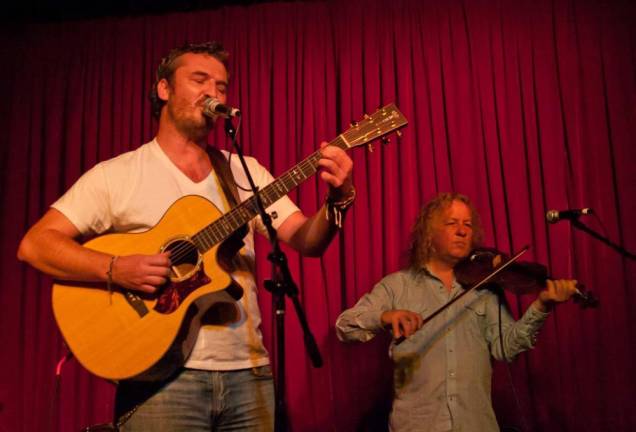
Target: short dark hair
pixel 422 232
pixel 169 64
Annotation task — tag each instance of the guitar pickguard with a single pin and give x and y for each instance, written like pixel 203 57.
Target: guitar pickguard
pixel 173 294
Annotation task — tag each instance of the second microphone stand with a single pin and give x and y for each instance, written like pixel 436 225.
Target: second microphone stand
pixel 281 285
pixel 576 223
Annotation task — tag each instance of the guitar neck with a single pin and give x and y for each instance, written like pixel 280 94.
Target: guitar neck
pixel 377 125
pixel 225 226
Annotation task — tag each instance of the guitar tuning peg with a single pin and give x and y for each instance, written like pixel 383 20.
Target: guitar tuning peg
pixel 354 124
pixel 366 116
pixel 399 134
pixel 370 147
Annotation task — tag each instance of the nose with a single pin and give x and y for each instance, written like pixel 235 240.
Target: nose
pixel 462 230
pixel 211 91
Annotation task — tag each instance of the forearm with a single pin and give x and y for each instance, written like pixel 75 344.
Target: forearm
pixel 359 324
pixel 364 320
pixel 60 256
pixel 542 306
pixel 314 235
pixel 518 336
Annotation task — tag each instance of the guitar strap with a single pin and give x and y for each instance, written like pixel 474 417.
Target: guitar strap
pixel 222 168
pixel 229 250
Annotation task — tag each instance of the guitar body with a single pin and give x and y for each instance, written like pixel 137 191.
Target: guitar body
pixel 118 334
pixel 148 338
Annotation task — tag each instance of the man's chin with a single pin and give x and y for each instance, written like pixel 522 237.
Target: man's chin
pixel 460 254
pixel 196 131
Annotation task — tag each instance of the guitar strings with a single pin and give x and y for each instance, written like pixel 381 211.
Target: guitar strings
pixel 287 179
pixel 218 235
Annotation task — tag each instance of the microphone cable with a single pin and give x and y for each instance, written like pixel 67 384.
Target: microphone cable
pixel 501 302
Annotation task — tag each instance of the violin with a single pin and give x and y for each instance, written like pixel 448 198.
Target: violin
pixel 485 266
pixel 519 277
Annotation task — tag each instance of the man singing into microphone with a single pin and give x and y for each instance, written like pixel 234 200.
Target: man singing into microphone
pixel 225 383
pixel 442 370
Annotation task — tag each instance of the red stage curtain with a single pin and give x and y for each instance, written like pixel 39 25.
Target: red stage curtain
pixel 522 105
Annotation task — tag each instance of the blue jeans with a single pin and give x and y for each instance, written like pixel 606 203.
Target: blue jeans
pixel 197 400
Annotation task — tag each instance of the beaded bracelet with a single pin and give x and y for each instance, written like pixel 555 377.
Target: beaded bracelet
pixel 337 208
pixel 109 275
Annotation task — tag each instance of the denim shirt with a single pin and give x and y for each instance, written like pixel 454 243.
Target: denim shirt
pixel 442 373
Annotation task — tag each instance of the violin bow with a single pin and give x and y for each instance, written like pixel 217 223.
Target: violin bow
pixel 482 282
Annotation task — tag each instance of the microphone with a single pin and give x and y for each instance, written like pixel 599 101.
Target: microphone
pixel 213 108
pixel 553 216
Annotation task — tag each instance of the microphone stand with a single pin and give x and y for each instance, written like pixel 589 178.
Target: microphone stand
pixel 280 285
pixel 576 223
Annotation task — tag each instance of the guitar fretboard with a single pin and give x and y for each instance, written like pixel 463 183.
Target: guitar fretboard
pixel 223 227
pixel 377 125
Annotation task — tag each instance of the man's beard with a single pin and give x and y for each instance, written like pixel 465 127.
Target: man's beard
pixel 189 126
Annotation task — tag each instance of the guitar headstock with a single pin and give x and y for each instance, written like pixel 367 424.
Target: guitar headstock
pixel 377 125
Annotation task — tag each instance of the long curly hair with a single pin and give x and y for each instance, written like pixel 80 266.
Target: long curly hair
pixel 422 232
pixel 169 64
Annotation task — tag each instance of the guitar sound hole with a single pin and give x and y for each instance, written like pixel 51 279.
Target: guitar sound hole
pixel 185 259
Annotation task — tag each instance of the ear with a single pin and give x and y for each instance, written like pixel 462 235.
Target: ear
pixel 163 89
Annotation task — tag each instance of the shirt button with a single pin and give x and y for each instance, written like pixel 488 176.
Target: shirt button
pixel 452 374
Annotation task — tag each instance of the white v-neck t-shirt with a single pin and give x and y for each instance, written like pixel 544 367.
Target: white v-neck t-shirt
pixel 131 192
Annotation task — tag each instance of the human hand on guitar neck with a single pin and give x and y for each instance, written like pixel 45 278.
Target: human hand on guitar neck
pixel 337 166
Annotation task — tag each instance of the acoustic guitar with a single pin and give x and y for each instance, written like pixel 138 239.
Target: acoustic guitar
pixel 120 334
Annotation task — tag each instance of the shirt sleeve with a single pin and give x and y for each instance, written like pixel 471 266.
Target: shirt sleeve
pixel 362 322
pixel 279 210
pixel 86 203
pixel 518 336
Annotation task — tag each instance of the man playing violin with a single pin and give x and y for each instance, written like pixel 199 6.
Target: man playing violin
pixel 442 370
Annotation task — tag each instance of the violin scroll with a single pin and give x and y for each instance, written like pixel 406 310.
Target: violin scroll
pixel 585 299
